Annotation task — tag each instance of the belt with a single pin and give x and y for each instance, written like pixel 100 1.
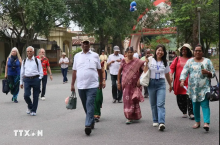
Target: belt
pixel 37 76
pixel 158 79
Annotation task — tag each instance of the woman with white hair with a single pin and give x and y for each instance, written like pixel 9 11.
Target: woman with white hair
pixel 12 72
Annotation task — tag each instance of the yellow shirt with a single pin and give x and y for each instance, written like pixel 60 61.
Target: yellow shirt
pixel 104 58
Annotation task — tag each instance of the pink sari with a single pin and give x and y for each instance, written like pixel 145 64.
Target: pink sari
pixel 132 95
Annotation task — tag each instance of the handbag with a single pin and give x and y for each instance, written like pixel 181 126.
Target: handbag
pixel 5 86
pixel 213 95
pixel 145 77
pixel 72 101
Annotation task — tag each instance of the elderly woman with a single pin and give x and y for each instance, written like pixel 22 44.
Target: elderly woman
pixel 64 62
pixel 131 68
pixel 200 70
pixel 12 72
pixel 183 100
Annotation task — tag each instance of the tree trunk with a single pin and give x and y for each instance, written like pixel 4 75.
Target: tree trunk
pixel 118 41
pixel 195 39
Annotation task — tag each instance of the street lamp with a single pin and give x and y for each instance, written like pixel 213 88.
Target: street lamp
pixel 198 10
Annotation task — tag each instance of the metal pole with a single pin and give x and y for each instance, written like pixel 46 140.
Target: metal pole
pixel 199 25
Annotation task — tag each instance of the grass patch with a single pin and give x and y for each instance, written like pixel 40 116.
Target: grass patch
pixel 2 76
pixel 215 61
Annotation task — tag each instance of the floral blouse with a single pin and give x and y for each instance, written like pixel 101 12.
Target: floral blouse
pixel 198 84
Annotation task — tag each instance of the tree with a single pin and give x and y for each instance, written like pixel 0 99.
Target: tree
pixel 185 17
pixel 27 19
pixel 107 19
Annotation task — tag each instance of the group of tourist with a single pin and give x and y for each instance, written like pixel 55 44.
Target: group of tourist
pixel 191 73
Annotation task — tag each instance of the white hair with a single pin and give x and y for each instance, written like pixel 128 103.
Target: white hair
pixel 18 54
pixel 30 47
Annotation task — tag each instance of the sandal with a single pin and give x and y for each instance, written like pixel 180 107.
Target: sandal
pixel 206 127
pixel 191 117
pixel 197 125
pixel 184 116
pixel 128 122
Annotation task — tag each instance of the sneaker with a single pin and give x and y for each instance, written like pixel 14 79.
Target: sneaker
pixel 114 101
pixel 88 130
pixel 43 98
pixel 155 124
pixel 120 101
pixel 15 100
pixel 33 114
pixel 161 127
pixel 28 111
pixel 96 119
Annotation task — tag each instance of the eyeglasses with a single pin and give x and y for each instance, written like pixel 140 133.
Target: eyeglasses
pixel 29 51
pixel 198 51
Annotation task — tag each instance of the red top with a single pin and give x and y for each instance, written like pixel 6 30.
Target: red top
pixel 45 63
pixel 179 67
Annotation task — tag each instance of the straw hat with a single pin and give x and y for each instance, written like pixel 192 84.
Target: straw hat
pixel 63 53
pixel 187 46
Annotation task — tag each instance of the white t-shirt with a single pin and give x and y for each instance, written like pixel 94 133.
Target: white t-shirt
pixel 154 69
pixel 114 67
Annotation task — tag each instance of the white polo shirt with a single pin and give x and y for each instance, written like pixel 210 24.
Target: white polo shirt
pixel 114 67
pixel 86 65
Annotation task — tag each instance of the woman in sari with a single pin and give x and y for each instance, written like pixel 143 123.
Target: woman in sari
pixel 99 96
pixel 12 72
pixel 131 68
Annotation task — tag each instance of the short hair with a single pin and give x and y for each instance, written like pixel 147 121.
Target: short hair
pixel 30 47
pixel 200 47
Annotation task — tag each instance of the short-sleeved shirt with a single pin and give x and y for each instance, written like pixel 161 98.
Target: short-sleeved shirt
pixel 154 65
pixel 45 63
pixel 103 58
pixel 65 60
pixel 114 67
pixel 86 65
pixel 136 55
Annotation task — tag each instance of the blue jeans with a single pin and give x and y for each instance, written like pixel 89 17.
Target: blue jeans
pixel 28 84
pixel 205 110
pixel 88 101
pixel 64 72
pixel 157 94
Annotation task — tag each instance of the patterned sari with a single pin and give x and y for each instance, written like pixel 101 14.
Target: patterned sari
pixel 131 73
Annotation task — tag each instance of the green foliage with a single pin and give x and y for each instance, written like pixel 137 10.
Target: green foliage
pixel 107 19
pixel 74 52
pixel 185 17
pixel 28 19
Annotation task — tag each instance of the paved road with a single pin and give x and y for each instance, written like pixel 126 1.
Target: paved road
pixel 61 126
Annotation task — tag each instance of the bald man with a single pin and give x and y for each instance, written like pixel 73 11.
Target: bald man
pixel 46 66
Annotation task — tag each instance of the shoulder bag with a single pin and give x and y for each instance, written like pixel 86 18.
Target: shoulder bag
pixel 145 77
pixel 213 95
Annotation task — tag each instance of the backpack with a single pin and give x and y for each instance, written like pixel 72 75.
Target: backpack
pixel 35 61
